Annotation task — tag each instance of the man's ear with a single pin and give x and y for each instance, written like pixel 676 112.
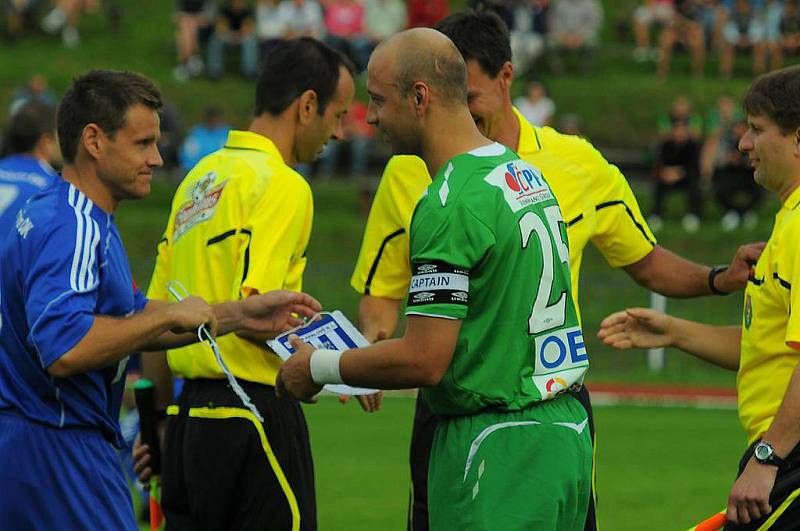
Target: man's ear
pixel 307 106
pixel 93 139
pixel 421 97
pixel 506 74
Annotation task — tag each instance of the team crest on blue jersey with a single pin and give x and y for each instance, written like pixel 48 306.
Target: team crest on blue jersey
pixel 521 183
pixel 23 224
pixel 201 206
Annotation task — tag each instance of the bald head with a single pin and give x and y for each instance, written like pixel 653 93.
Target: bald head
pixel 428 56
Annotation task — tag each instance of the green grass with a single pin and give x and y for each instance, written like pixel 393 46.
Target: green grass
pixel 658 468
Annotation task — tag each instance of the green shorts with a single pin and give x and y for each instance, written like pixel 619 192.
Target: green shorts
pixel 529 469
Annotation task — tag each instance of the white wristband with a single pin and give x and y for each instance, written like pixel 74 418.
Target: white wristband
pixel 325 366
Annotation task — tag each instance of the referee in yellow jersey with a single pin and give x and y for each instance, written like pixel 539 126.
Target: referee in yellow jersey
pixel 765 348
pixel 239 225
pixel 596 200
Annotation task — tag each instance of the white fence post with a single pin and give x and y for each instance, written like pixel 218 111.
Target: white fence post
pixel 655 356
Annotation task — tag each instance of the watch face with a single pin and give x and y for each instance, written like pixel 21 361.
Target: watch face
pixel 763 451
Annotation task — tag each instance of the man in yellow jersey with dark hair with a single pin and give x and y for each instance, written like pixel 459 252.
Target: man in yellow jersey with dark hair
pixel 240 224
pixel 596 200
pixel 765 348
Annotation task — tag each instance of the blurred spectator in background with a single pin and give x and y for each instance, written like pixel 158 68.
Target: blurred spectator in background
pixel 384 18
pixel 203 139
pixel 234 26
pixel 650 13
pixel 20 15
pixel 426 13
pixel 528 30
pixel 678 167
pixel 344 30
pixel 190 17
pixel 65 17
pixel 358 136
pixel 535 106
pixel 270 27
pixel 788 37
pixel 718 124
pixel 35 89
pixel 734 188
pixel 570 124
pixel 686 29
pixel 681 111
pixel 745 28
pixel 301 18
pixel 574 30
pixel 32 151
pixel 171 133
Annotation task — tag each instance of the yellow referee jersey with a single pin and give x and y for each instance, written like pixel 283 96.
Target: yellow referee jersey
pixel 596 202
pixel 770 331
pixel 240 224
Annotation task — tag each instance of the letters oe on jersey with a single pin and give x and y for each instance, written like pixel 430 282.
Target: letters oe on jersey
pixel 521 183
pixel 561 361
pixel 438 283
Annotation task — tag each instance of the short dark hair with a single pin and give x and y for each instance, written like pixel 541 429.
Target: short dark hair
pixel 776 95
pixel 101 97
pixel 479 35
pixel 31 121
pixel 295 66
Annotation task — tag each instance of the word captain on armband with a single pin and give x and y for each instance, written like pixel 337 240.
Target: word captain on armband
pixel 327 330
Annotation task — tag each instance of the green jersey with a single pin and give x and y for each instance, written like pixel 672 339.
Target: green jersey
pixel 489 247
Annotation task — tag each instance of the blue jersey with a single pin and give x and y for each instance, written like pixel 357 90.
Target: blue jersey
pixel 63 264
pixel 21 176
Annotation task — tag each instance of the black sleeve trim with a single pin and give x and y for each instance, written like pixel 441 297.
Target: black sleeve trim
pixel 639 226
pixel 782 282
pixel 374 268
pixel 752 278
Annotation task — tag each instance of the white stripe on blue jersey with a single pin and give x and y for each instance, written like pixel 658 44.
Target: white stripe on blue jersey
pixel 87 236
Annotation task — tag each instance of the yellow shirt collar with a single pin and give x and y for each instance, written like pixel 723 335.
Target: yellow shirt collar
pixel 252 141
pixel 528 138
pixel 793 200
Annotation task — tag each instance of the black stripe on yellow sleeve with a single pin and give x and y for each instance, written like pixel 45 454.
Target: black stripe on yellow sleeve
pixel 628 210
pixel 374 268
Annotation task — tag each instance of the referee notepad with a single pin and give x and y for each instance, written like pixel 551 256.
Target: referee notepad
pixel 330 330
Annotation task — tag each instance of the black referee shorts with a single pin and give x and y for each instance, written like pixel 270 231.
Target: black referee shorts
pixel 784 500
pixel 419 455
pixel 224 470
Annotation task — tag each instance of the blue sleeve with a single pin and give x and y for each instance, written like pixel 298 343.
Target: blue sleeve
pixel 139 300
pixel 62 285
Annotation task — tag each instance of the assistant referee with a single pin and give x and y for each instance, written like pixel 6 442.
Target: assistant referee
pixel 239 225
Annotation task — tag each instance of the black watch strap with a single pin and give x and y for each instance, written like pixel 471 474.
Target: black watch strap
pixel 712 274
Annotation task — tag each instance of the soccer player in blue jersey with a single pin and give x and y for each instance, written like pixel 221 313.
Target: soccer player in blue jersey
pixel 28 168
pixel 70 314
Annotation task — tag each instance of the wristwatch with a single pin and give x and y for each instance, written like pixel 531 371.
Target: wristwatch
pixel 712 274
pixel 765 454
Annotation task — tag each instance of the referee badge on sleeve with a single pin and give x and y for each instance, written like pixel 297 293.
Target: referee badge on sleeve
pixel 438 283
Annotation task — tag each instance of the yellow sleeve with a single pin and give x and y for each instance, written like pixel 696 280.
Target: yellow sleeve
pixel 279 226
pixel 621 234
pixel 382 268
pixel 788 271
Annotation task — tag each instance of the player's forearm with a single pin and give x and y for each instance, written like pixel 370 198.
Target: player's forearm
pixel 377 317
pixel 390 364
pixel 784 432
pixel 667 273
pixel 719 345
pixel 111 339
